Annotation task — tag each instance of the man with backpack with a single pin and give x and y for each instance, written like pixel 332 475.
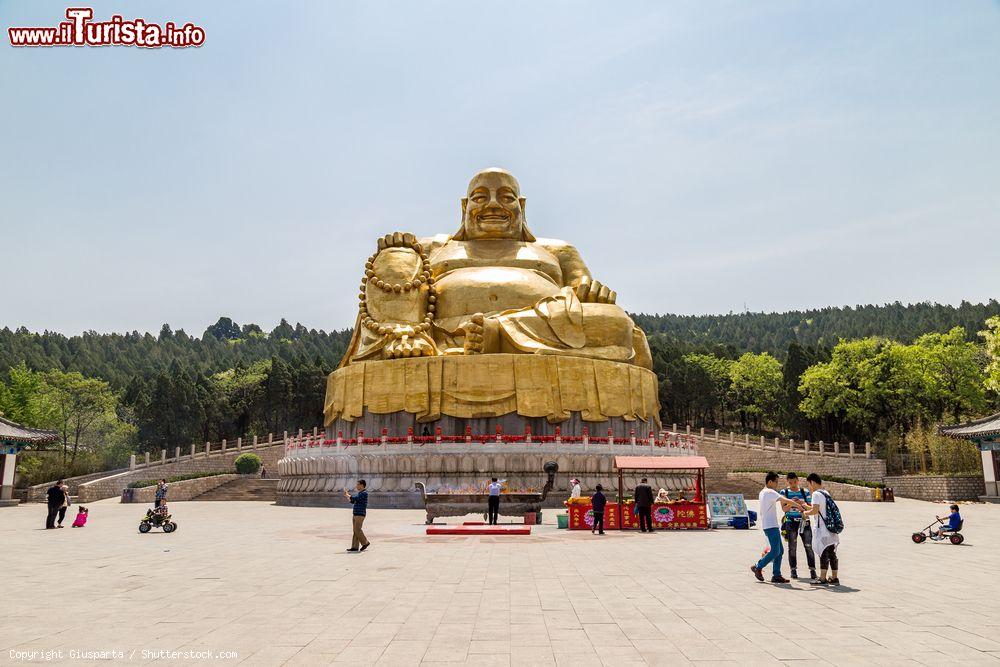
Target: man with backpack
pixel 827 526
pixel 794 525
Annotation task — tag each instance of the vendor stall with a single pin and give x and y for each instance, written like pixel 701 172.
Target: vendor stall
pixel 685 512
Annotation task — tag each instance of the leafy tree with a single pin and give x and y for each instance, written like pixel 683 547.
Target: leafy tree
pixel 79 409
pixel 224 329
pixel 756 386
pixel 20 399
pixel 992 336
pixel 953 374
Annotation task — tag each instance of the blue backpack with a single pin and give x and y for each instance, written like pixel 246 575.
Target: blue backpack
pixel 832 519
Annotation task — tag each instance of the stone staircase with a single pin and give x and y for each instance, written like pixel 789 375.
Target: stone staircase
pixel 243 488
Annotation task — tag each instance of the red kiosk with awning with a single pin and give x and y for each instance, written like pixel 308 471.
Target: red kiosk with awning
pixel 673 515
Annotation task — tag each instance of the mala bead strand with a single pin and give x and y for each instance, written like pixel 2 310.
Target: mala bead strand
pixel 398 240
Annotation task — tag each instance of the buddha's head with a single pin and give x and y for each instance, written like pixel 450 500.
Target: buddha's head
pixel 493 208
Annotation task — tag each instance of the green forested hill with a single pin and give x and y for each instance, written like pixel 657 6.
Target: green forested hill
pixel 774 332
pixel 114 393
pixel 120 358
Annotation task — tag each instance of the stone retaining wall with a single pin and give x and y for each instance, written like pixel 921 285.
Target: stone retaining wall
pixel 838 490
pixel 112 486
pixel 928 487
pixel 36 493
pixel 184 489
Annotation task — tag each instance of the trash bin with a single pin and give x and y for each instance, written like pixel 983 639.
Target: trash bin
pixel 128 495
pixel 529 518
pixel 562 520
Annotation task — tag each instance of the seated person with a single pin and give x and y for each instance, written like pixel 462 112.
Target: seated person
pixel 162 510
pixel 954 521
pixel 662 496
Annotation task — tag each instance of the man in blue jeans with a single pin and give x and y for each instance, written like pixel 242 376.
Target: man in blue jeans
pixel 769 499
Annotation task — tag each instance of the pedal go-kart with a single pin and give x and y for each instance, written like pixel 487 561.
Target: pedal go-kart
pixel 952 536
pixel 154 520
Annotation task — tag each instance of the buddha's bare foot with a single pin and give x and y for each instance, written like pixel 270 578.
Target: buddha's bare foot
pixel 481 335
pixel 409 342
pixel 474 335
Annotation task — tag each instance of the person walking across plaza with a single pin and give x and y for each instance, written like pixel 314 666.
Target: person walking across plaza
pixel 825 541
pixel 360 502
pixel 597 504
pixel 161 493
pixel 795 525
pixel 643 496
pixel 54 497
pixel 493 500
pixel 767 500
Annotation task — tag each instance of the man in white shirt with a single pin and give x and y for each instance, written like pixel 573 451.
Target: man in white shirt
pixel 493 502
pixel 769 500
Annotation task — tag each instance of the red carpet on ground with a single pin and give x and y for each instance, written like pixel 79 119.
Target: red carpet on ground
pixel 507 529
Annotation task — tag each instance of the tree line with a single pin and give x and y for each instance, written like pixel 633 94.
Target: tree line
pixel 868 373
pixel 868 389
pixel 111 395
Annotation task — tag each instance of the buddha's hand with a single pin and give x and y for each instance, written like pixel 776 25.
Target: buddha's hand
pixel 593 291
pixel 397 240
pixel 406 341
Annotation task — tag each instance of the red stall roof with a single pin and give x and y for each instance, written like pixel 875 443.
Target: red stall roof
pixel 661 462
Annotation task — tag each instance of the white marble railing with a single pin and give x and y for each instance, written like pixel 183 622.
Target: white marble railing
pixel 818 448
pixel 666 444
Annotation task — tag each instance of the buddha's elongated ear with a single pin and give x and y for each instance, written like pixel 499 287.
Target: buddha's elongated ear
pixel 526 234
pixel 460 235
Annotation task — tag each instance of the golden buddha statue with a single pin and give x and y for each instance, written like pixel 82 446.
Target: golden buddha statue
pixel 490 288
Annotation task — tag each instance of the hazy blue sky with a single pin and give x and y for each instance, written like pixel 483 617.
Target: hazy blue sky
pixel 702 155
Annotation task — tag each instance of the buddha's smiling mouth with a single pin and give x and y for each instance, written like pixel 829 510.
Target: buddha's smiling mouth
pixel 494 218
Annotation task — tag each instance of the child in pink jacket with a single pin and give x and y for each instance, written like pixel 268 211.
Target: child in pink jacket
pixel 81 518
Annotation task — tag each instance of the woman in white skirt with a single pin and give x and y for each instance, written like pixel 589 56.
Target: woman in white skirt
pixel 824 542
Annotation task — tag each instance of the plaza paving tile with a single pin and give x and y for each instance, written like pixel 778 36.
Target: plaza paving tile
pixel 258 584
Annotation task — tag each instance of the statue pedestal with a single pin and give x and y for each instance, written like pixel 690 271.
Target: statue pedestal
pixel 481 392
pixel 512 391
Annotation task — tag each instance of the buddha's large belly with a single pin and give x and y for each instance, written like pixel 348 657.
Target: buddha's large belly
pixel 489 290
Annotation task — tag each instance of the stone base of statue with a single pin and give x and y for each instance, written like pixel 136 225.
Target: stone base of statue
pixel 512 391
pixel 530 397
pixel 318 473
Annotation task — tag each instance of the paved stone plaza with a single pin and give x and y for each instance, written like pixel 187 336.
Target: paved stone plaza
pixel 258 584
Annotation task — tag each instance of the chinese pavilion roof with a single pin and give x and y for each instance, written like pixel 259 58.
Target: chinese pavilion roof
pixel 987 427
pixel 23 435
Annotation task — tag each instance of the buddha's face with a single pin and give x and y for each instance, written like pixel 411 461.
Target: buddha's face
pixel 494 208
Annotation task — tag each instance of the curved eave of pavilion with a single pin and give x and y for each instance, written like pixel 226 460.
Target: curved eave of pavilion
pixel 12 433
pixel 980 429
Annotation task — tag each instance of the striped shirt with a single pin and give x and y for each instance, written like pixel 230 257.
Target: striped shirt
pixel 360 502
